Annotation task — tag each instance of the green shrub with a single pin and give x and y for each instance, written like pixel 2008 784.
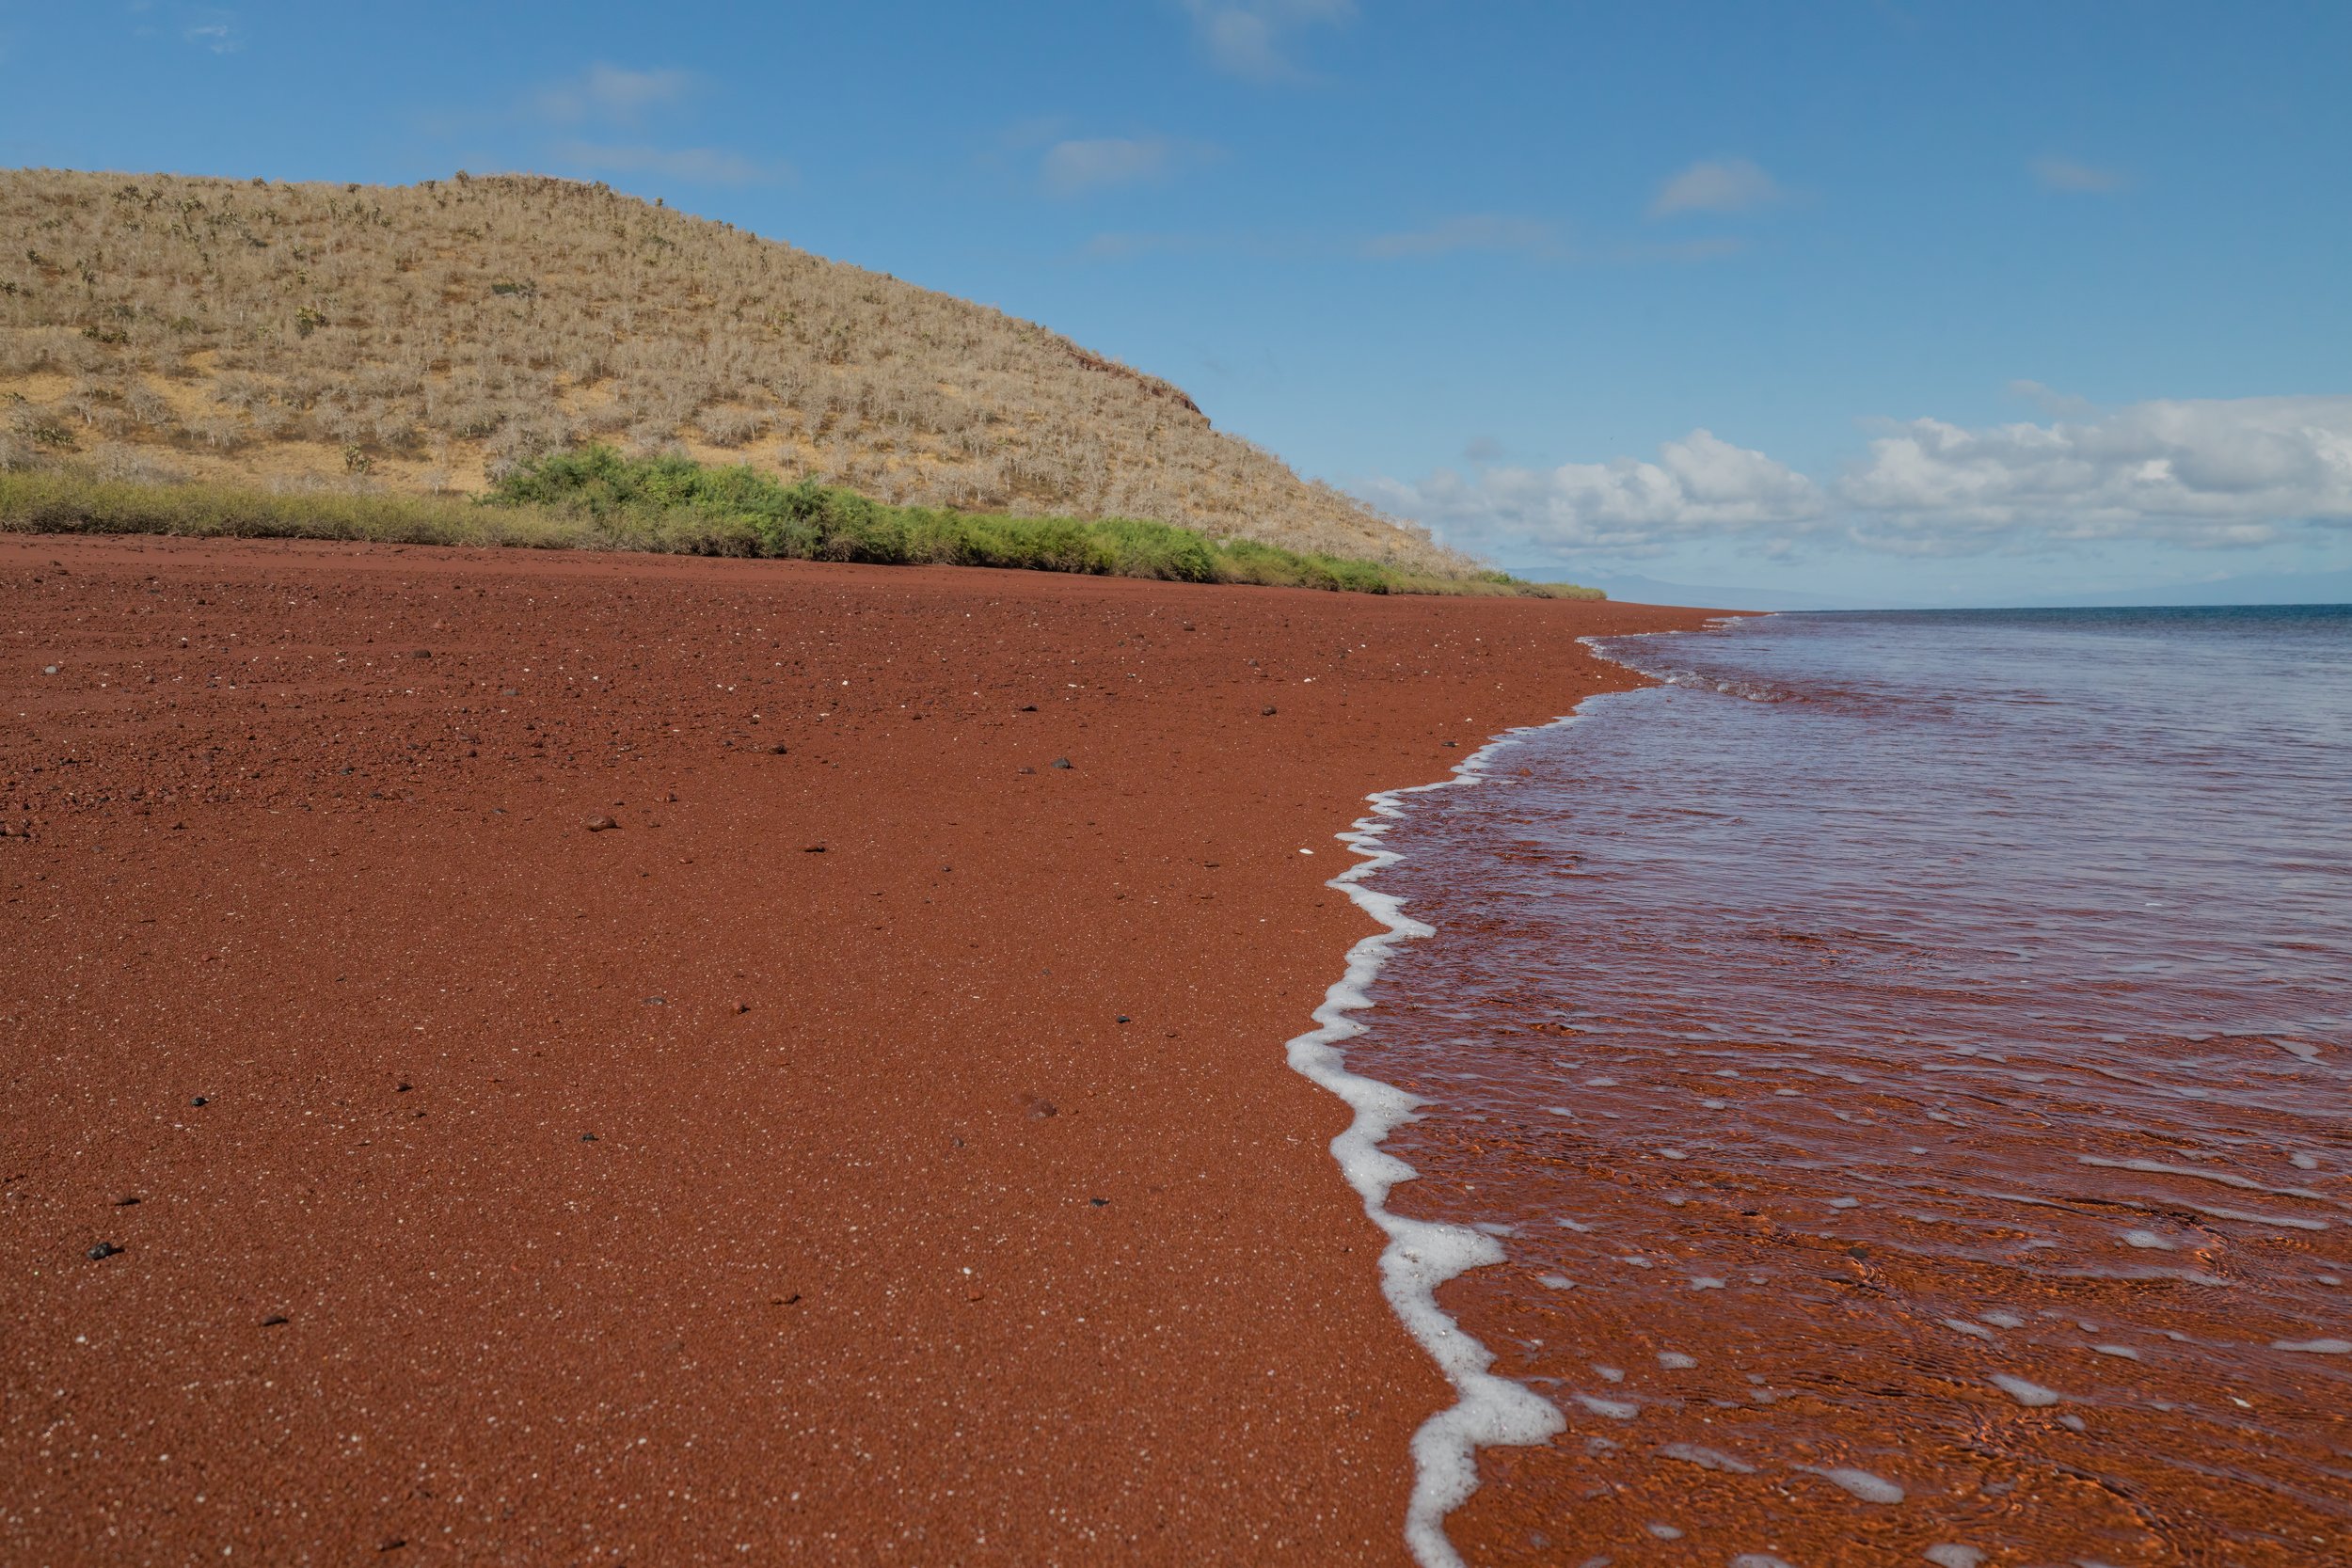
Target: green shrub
pixel 593 498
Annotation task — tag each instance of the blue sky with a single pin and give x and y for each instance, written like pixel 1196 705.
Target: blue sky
pixel 1922 302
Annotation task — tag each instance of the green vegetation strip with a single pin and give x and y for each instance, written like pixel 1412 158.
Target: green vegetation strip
pixel 594 498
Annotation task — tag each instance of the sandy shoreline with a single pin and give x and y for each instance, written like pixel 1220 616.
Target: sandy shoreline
pixel 948 1197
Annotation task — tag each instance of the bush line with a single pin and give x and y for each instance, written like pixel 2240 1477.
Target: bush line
pixel 594 498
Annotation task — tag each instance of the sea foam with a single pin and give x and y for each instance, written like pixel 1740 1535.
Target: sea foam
pixel 1421 1255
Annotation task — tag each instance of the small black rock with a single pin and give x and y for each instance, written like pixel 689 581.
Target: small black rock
pixel 778 750
pixel 1265 713
pixel 587 1137
pixel 103 1251
pixel 1100 1202
pixel 275 1322
pixel 1029 707
pixel 656 1001
pixel 1122 1017
pixel 1062 761
pixel 198 1100
pixel 126 1200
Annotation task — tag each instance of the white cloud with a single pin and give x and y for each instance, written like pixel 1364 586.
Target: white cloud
pixel 2065 174
pixel 700 166
pixel 1102 163
pixel 1700 486
pixel 2209 472
pixel 214 31
pixel 1249 38
pixel 1717 185
pixel 612 93
pixel 1475 233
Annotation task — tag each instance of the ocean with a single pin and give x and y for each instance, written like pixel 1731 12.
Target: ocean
pixel 1893 1075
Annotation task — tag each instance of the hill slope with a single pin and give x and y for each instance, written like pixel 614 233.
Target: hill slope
pixel 427 337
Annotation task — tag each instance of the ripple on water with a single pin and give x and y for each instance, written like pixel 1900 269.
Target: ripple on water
pixel 1872 1080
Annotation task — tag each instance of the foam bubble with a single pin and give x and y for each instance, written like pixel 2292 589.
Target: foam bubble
pixel 2125 1351
pixel 1663 1531
pixel 1707 1459
pixel 1616 1410
pixel 2147 1239
pixel 1960 1325
pixel 2003 1320
pixel 2316 1347
pixel 1862 1484
pixel 1760 1560
pixel 2029 1394
pixel 1675 1361
pixel 1950 1554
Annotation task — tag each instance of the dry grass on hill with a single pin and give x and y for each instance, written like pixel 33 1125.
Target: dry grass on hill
pixel 425 337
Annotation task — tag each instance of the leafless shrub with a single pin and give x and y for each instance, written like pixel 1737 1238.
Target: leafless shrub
pixel 148 407
pixel 136 464
pixel 220 431
pixel 729 427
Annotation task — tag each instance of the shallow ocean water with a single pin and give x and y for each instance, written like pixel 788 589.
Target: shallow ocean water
pixel 1905 1061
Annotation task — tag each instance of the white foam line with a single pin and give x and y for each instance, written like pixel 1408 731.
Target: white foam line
pixel 1421 1255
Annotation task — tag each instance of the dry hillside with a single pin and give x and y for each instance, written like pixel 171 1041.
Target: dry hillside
pixel 418 336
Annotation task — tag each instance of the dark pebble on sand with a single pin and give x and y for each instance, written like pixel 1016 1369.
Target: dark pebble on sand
pixel 1100 1202
pixel 1265 713
pixel 1453 742
pixel 1029 707
pixel 778 750
pixel 656 1001
pixel 1062 761
pixel 1122 1017
pixel 275 1320
pixel 742 1006
pixel 605 824
pixel 421 652
pixel 811 848
pixel 126 1200
pixel 199 1100
pixel 103 1251
pixel 587 1137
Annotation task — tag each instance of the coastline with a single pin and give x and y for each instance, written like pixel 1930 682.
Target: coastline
pixel 822 1086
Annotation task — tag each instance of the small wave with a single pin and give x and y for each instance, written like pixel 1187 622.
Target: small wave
pixel 1488 1410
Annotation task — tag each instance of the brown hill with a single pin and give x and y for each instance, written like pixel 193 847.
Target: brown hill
pixel 416 338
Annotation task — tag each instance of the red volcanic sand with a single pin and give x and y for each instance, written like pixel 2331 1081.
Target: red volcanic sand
pixel 948 1197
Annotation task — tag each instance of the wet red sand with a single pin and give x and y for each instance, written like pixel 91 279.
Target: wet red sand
pixel 894 1243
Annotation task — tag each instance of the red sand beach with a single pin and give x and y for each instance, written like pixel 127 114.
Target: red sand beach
pixel 876 1145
